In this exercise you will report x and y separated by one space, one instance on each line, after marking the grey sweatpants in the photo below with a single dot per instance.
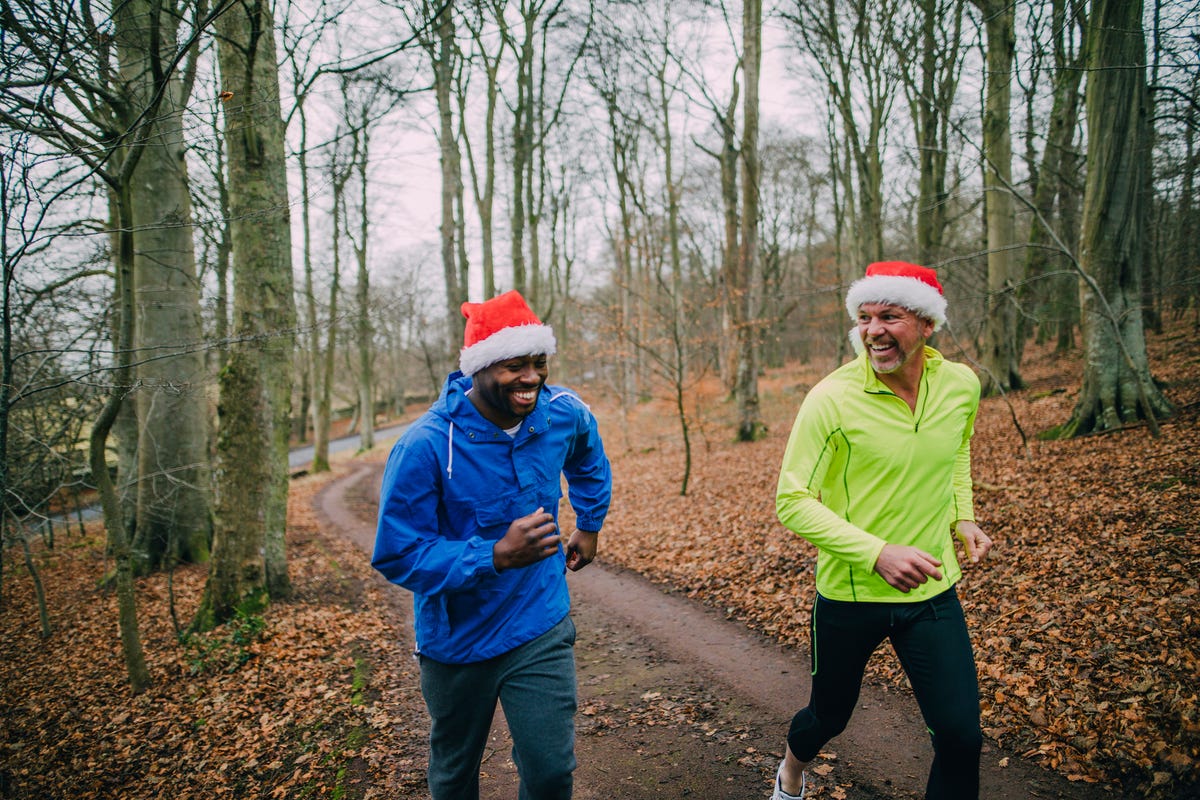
535 685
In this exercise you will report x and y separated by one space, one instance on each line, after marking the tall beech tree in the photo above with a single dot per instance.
1117 385
748 295
107 95
849 42
1050 296
172 520
932 28
249 565
1000 352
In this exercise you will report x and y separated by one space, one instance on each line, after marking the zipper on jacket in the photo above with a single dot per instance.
924 399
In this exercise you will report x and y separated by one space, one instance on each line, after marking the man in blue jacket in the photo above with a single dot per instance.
468 522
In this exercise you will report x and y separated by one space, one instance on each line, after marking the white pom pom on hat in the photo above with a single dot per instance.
500 328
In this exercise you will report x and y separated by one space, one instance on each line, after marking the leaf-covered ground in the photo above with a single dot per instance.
285 705
1084 619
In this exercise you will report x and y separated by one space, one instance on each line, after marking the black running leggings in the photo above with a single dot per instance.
930 637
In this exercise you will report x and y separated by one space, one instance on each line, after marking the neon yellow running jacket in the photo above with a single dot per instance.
862 470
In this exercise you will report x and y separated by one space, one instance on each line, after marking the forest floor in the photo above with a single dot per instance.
1084 621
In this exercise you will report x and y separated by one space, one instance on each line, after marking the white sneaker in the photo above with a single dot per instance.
780 794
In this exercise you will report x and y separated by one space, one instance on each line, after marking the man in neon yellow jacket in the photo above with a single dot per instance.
877 475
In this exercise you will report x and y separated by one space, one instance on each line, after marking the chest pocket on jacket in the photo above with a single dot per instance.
494 516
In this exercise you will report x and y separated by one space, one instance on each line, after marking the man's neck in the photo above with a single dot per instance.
906 381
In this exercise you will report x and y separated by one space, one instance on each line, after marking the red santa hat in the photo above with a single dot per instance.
899 283
500 328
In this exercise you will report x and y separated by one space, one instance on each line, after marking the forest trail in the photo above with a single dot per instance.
712 698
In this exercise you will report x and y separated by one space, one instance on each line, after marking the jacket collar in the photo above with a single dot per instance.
454 405
871 383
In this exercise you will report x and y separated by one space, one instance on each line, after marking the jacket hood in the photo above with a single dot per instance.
454 405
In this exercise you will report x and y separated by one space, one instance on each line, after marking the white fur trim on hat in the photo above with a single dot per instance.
514 341
911 293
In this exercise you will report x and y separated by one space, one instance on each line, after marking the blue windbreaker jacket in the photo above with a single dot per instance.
453 484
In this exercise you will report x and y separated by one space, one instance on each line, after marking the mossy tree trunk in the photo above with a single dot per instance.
249 561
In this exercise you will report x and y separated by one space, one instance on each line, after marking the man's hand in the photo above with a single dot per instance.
975 541
905 567
528 540
581 549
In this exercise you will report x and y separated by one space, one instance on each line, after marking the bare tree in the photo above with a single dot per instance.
605 71
482 18
656 54
1000 352
745 392
364 107
109 94
851 55
299 34
50 330
249 564
173 498
444 55
934 30
1117 385
1050 297
323 359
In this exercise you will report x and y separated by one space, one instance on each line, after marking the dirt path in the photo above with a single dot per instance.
675 701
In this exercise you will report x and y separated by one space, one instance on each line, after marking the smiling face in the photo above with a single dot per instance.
893 336
507 391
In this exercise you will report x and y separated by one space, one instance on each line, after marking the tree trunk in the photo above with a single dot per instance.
312 337
172 489
6 369
249 557
1189 251
1000 354
750 426
1152 317
522 149
731 318
363 328
123 431
443 55
323 361
110 502
1070 198
1050 295
237 577
931 109
1117 386
485 195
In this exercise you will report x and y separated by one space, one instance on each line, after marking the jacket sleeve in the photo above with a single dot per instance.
589 476
811 450
411 548
964 497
